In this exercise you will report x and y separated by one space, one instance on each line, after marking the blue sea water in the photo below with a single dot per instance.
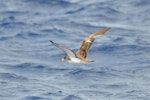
30 67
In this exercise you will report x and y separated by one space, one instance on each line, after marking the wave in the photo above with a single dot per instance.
34 98
46 2
12 77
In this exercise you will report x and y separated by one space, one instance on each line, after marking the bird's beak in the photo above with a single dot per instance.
62 59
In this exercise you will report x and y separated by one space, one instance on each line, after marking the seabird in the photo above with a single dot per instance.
81 55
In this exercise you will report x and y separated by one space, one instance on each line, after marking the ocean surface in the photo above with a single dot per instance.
31 67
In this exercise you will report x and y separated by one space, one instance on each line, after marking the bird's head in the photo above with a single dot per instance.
65 58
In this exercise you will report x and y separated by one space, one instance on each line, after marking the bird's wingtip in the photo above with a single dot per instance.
51 41
108 27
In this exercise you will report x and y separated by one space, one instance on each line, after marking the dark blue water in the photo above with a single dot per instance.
30 67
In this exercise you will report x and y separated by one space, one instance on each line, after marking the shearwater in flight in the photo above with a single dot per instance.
81 55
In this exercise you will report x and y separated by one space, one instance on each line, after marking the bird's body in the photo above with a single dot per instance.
81 55
75 60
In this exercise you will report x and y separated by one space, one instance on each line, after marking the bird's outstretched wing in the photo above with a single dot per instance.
69 52
87 42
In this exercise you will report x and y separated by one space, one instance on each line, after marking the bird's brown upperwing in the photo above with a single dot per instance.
87 42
